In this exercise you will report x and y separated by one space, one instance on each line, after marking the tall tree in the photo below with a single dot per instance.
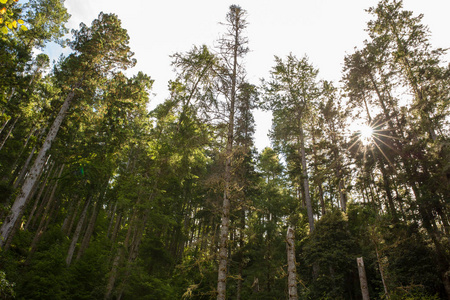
232 47
289 94
99 50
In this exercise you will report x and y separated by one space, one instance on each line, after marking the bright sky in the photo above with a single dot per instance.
325 30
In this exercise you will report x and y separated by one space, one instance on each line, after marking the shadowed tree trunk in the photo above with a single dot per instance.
292 273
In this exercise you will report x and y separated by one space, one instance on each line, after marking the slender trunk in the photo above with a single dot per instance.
45 199
4 125
24 169
36 202
16 225
44 219
19 204
116 227
363 278
317 179
111 222
12 175
113 274
134 250
380 266
120 252
70 213
89 231
76 235
5 138
292 273
342 196
224 230
307 195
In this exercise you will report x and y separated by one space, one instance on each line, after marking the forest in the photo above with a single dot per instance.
103 198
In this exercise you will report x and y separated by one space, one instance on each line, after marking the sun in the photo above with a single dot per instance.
366 133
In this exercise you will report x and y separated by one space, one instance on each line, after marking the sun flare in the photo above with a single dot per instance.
366 133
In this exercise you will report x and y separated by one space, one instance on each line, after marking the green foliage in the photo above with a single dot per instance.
6 287
330 256
47 275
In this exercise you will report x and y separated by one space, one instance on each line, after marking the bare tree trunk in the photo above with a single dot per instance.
24 169
3 141
111 222
308 201
45 215
36 202
363 278
89 231
113 274
76 235
224 230
12 175
4 125
117 259
116 227
342 197
45 199
70 212
134 250
73 218
292 274
36 169
380 266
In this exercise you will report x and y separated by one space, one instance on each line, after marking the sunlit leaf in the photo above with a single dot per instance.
14 24
3 1
3 10
20 21
23 27
1 20
4 30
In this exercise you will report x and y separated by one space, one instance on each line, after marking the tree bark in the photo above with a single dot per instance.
308 201
45 215
89 231
380 266
19 203
292 274
3 141
363 278
36 202
224 230
76 235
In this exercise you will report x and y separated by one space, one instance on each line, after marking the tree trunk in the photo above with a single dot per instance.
4 124
115 266
363 278
292 274
89 231
76 235
24 169
224 230
36 202
309 209
36 169
3 141
111 222
44 222
113 274
380 266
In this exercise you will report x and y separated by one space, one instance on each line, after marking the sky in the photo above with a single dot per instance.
324 30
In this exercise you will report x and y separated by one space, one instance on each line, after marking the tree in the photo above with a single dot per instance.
99 50
289 94
232 48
